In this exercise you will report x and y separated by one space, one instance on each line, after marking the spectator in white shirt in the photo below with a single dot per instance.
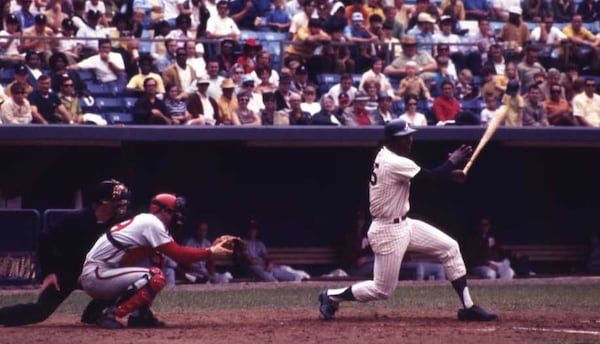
222 26
108 66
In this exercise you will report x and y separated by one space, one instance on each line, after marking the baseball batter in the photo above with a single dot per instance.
392 233
114 268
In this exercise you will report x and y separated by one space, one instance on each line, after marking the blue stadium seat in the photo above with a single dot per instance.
118 118
325 81
86 75
128 103
356 79
398 107
19 229
145 46
7 76
98 90
53 217
109 104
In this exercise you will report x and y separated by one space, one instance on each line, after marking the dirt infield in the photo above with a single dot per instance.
355 324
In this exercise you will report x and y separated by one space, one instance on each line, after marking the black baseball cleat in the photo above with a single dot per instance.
475 313
145 319
109 320
327 307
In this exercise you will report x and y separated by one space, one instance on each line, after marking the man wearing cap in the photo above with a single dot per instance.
61 253
41 46
180 74
425 62
283 92
21 75
300 79
337 19
357 31
90 33
202 106
423 32
392 232
10 46
501 8
227 102
136 83
515 31
357 114
255 102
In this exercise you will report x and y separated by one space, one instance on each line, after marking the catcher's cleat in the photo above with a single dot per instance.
109 320
327 307
145 319
475 313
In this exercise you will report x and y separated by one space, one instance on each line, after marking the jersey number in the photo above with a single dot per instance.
122 225
374 175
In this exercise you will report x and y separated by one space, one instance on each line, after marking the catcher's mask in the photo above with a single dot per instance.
114 193
172 204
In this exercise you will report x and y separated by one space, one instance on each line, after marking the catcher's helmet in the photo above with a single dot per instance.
170 203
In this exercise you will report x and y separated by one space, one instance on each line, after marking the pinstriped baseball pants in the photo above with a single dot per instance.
391 240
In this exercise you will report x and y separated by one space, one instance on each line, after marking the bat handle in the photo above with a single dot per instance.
467 167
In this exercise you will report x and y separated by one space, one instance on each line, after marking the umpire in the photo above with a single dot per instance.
62 252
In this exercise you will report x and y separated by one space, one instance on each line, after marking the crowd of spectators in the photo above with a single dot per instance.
388 55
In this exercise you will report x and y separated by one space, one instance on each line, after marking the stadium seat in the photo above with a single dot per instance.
398 107
128 103
86 75
7 76
118 118
145 46
105 105
98 90
19 229
52 217
356 79
325 81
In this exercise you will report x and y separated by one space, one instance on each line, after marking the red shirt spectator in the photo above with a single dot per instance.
446 107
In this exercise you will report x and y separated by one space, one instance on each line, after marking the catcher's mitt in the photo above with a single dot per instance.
230 242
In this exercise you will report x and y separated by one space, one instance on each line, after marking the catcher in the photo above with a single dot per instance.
116 266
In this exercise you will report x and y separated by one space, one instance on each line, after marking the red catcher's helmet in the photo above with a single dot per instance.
162 201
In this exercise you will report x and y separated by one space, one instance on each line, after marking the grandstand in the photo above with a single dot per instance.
114 101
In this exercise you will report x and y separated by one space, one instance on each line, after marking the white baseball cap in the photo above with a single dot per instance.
357 16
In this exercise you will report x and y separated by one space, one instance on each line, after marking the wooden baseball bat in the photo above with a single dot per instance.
487 135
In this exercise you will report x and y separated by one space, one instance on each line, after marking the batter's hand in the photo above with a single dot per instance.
458 176
461 154
51 279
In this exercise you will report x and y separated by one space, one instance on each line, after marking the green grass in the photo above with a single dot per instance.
509 297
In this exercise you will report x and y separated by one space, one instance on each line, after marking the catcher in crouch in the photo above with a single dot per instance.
116 266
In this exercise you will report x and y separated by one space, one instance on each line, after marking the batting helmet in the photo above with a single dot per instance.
397 127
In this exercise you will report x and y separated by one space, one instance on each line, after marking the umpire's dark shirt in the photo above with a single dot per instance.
63 248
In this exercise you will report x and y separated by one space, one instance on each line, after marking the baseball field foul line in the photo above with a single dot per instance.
541 329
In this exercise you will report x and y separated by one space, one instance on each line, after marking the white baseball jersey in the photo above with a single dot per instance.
391 234
103 276
390 185
144 230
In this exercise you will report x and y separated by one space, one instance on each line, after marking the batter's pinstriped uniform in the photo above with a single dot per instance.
391 233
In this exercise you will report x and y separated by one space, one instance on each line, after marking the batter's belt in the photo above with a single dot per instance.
392 220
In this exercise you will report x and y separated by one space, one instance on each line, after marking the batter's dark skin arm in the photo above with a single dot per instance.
448 170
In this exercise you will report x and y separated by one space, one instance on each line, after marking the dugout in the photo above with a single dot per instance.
540 185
